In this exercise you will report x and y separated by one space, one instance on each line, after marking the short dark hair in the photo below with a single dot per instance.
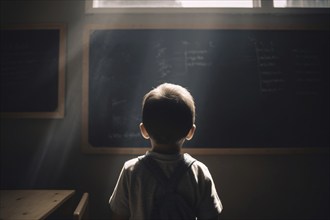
168 113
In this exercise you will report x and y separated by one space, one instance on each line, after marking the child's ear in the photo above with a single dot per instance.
191 133
144 132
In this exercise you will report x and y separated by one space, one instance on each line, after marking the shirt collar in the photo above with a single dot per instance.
167 157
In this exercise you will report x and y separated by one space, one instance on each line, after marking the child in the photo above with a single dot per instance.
168 116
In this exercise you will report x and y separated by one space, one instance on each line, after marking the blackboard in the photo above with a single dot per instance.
252 88
32 71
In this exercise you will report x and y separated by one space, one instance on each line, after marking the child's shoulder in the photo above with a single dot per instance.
198 167
198 163
130 164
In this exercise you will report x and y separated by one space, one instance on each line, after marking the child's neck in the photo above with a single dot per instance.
166 148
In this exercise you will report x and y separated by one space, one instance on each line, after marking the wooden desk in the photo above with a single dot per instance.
31 204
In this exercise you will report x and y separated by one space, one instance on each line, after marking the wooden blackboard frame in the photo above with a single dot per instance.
60 110
88 148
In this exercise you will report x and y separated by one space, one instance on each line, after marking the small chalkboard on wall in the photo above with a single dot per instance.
32 71
256 89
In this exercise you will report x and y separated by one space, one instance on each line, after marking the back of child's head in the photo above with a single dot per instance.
168 113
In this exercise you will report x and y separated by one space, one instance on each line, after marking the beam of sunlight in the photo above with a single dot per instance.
59 140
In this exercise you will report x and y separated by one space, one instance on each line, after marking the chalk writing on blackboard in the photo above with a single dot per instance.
165 66
270 73
197 58
252 87
196 55
178 60
308 75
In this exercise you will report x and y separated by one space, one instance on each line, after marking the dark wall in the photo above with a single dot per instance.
45 153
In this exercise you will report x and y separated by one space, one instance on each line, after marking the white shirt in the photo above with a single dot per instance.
133 196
